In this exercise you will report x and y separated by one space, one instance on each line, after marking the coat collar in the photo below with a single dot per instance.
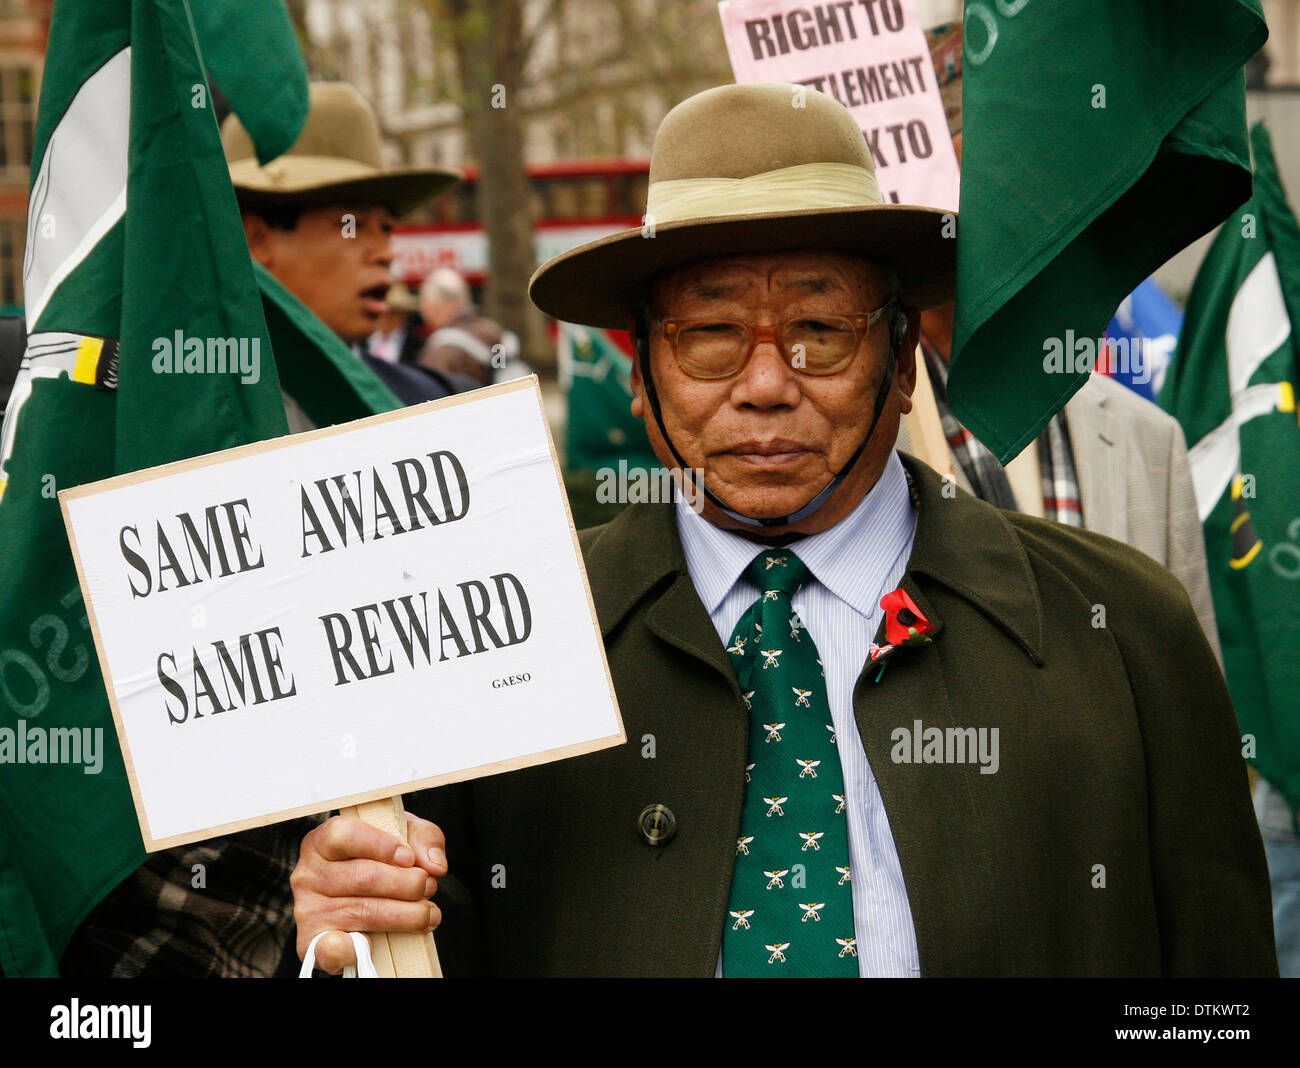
961 542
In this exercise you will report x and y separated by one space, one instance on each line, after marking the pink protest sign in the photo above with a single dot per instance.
871 56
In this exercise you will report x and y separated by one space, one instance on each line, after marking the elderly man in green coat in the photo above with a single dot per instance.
877 726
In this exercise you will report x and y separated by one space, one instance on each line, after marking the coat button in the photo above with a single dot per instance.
657 824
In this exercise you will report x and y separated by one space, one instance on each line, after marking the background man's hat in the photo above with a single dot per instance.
337 157
401 299
740 169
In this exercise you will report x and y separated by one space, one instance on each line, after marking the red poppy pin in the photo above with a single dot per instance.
905 624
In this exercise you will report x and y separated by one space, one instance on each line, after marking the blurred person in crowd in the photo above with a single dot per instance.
461 340
397 337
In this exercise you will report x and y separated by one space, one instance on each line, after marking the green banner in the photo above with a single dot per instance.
148 344
1099 139
1232 386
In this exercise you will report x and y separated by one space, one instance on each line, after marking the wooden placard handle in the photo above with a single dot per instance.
398 955
924 425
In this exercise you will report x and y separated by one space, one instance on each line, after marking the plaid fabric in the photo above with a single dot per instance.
1061 500
157 923
981 467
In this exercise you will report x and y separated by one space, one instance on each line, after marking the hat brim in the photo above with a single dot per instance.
399 298
602 282
400 190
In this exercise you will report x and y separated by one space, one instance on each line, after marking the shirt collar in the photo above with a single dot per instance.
852 558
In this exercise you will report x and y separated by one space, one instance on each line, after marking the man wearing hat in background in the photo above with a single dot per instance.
320 217
875 729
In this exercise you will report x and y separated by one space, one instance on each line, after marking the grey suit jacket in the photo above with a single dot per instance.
1122 440
1135 484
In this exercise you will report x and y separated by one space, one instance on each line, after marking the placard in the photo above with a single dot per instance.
871 56
342 615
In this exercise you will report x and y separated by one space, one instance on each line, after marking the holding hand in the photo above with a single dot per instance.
351 876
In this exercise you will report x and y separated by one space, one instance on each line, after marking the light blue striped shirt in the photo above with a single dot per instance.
853 564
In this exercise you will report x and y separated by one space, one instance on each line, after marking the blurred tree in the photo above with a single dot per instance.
488 39
602 73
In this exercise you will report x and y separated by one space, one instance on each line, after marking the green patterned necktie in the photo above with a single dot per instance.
791 905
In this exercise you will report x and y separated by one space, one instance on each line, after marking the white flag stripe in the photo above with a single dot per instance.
81 185
1257 323
1217 456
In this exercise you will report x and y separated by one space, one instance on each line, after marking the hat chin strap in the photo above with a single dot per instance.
763 522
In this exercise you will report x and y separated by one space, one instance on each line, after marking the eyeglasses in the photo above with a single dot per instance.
811 344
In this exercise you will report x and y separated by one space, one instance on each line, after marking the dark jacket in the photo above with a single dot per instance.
414 384
1116 838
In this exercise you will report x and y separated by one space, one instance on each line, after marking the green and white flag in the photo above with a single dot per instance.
1232 386
148 344
1100 137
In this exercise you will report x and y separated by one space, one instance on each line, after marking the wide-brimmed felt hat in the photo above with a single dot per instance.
338 157
743 168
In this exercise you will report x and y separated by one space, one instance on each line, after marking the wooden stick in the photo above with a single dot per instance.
923 424
398 955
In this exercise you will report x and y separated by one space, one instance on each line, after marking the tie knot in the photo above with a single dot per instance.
778 569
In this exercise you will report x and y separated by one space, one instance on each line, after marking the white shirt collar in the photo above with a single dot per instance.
851 559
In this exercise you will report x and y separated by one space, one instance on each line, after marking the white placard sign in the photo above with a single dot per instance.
871 56
342 615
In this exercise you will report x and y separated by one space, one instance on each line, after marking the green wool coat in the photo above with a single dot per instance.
1116 837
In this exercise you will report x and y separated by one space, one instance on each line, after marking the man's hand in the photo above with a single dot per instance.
354 877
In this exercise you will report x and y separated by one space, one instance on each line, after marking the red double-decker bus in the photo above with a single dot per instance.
572 201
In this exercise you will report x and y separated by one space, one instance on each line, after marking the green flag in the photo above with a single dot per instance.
601 429
238 38
1099 139
148 344
608 459
1231 385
